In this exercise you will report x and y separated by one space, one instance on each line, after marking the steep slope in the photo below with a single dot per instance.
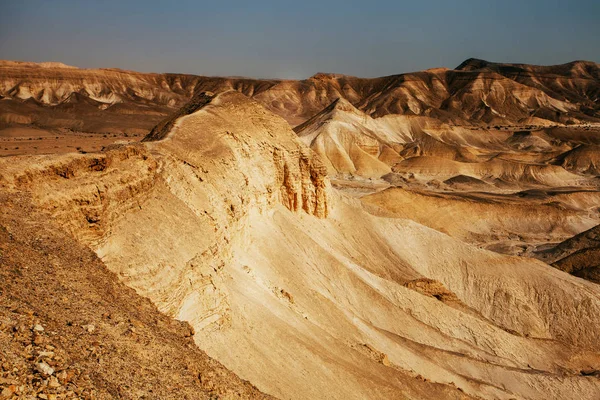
579 255
575 82
70 329
226 220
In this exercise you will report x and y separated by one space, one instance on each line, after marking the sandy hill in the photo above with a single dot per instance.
225 219
349 141
353 143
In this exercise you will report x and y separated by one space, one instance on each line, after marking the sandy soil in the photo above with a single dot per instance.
18 140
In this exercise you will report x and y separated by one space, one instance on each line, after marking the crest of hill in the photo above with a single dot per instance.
47 64
347 139
333 111
329 75
579 68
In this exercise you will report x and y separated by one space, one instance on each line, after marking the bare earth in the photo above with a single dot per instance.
426 235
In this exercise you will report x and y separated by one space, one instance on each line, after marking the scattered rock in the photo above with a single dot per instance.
53 382
286 295
46 354
386 361
8 391
44 368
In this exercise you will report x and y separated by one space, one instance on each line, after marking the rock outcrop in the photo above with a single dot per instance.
213 162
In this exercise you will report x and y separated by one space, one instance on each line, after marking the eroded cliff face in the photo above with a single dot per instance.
303 181
86 193
55 84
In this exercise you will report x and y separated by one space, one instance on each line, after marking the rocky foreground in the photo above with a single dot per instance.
69 328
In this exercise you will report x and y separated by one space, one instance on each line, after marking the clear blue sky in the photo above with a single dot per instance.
295 39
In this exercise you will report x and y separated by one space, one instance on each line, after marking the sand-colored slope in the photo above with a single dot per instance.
229 222
349 141
498 222
367 302
507 171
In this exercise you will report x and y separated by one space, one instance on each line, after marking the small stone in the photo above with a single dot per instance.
190 331
53 383
46 354
65 377
45 368
90 328
7 392
62 376
386 361
38 328
39 340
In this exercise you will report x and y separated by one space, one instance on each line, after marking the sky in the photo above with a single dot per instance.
296 39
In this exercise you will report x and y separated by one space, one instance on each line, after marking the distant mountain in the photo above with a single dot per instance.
476 92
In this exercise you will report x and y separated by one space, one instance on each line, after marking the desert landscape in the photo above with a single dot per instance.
429 235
